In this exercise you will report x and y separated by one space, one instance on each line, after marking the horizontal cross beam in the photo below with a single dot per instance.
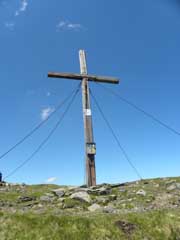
81 76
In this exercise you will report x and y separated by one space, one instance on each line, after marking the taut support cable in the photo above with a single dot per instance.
115 137
29 134
47 138
149 115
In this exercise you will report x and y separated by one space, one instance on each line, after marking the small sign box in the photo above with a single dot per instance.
91 148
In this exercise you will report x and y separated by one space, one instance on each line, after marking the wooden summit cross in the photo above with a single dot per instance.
90 146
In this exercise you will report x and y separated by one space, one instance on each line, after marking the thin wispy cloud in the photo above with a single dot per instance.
45 112
22 8
51 180
66 25
9 25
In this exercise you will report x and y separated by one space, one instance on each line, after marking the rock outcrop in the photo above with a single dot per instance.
139 196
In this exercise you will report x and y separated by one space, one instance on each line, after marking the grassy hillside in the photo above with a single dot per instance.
143 210
152 225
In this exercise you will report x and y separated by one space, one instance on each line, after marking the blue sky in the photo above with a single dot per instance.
136 41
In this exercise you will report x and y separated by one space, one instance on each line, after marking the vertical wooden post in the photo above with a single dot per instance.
87 115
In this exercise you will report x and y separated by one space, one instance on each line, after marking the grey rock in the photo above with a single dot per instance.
72 188
80 189
46 198
59 192
61 200
102 200
26 199
105 190
40 205
81 196
141 192
110 209
99 186
3 190
178 185
173 186
50 195
94 207
170 182
122 190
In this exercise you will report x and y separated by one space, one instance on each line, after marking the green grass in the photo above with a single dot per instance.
39 190
155 225
72 203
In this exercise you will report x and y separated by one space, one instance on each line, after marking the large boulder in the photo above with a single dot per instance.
173 186
81 196
59 192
